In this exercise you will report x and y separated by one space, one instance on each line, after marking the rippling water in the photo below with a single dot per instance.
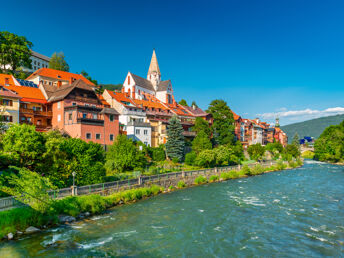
290 213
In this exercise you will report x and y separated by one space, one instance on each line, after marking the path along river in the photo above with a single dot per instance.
289 213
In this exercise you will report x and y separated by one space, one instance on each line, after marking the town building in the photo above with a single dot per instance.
38 61
79 112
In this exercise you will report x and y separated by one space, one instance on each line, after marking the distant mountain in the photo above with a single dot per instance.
312 127
112 86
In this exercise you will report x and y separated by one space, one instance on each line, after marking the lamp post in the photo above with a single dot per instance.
73 189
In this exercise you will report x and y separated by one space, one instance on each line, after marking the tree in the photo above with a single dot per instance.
206 158
85 74
296 140
256 151
291 150
158 154
14 51
201 142
175 142
25 145
223 122
183 102
190 158
275 149
201 125
194 104
58 62
124 155
30 188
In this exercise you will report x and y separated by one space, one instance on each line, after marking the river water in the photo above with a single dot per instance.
289 213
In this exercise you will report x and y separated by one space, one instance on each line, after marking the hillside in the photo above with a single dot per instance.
312 127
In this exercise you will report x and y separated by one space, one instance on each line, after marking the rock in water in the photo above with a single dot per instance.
30 230
66 219
9 236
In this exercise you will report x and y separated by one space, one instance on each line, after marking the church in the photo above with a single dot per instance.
140 88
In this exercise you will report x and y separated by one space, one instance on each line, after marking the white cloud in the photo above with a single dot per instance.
305 113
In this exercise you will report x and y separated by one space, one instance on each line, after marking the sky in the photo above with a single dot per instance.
265 58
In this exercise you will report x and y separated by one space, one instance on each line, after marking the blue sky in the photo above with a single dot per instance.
263 57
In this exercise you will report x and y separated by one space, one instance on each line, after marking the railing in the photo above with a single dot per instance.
90 121
35 112
110 187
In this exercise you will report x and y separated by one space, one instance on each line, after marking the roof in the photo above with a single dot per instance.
64 90
154 66
110 111
7 93
34 53
236 117
102 100
150 104
163 85
178 109
11 80
56 74
121 98
29 94
142 82
196 111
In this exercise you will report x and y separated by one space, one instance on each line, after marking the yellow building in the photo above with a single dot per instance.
9 106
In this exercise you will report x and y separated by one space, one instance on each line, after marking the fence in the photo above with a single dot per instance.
111 187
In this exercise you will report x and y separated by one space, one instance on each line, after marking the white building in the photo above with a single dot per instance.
132 117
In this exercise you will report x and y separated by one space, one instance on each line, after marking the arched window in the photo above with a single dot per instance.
128 79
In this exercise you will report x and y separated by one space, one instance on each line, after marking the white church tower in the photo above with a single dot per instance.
154 75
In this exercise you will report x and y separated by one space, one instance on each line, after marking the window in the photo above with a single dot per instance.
59 105
145 132
70 116
137 131
84 115
7 102
87 105
111 118
88 136
6 118
98 136
111 137
128 79
58 118
74 104
7 82
95 116
23 118
28 119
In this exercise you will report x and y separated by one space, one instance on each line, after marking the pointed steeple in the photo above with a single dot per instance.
154 66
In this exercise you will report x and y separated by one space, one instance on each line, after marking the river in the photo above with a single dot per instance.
289 213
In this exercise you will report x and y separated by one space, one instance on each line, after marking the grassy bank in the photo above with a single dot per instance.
21 218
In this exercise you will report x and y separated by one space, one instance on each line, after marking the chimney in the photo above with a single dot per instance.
59 84
194 107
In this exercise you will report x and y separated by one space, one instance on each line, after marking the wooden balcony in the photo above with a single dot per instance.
35 112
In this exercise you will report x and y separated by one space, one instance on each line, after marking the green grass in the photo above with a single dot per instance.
181 184
200 180
308 154
213 178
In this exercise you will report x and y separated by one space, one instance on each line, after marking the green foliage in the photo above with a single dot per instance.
275 149
181 184
330 145
312 127
296 140
223 122
280 165
190 158
175 142
200 180
292 150
308 154
85 74
292 164
256 151
194 104
213 178
158 154
155 189
14 51
206 158
112 87
183 102
246 170
202 125
30 188
256 170
124 155
58 62
201 142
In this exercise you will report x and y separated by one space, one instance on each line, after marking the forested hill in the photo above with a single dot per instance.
312 127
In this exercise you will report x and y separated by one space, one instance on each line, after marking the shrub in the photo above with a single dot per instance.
292 164
213 178
246 170
171 187
200 180
155 189
233 174
190 158
299 162
225 176
158 154
280 165
181 184
206 159
308 154
257 170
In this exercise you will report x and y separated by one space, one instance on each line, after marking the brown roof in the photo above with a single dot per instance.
195 111
7 93
64 90
142 82
163 85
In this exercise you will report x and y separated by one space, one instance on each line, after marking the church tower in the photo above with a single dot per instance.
154 75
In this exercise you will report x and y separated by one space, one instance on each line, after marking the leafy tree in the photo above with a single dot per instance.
85 74
201 142
14 51
206 158
112 87
158 154
58 62
190 158
223 122
30 188
330 145
124 155
24 145
296 140
292 150
256 151
175 142
275 149
201 125
194 104
183 102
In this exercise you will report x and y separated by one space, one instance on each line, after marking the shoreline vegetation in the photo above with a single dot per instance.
26 220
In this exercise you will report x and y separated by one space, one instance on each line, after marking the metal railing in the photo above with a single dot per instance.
115 186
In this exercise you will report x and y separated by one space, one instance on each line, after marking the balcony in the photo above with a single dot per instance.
138 124
90 121
35 112
86 100
83 108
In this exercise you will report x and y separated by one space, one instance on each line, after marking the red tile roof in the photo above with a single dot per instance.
29 94
11 80
236 117
56 74
121 98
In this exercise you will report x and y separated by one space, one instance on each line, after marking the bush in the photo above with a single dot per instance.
158 154
155 189
181 184
190 158
200 180
280 165
257 170
308 154
292 164
206 159
246 170
213 178
233 174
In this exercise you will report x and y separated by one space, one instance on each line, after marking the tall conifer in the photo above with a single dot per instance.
175 142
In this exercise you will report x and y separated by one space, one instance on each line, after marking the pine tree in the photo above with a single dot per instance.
175 142
296 140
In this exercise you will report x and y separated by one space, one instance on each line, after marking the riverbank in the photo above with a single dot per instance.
16 222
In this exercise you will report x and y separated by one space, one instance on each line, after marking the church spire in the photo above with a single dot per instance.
154 67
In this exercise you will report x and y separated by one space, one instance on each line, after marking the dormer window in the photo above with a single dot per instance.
7 82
